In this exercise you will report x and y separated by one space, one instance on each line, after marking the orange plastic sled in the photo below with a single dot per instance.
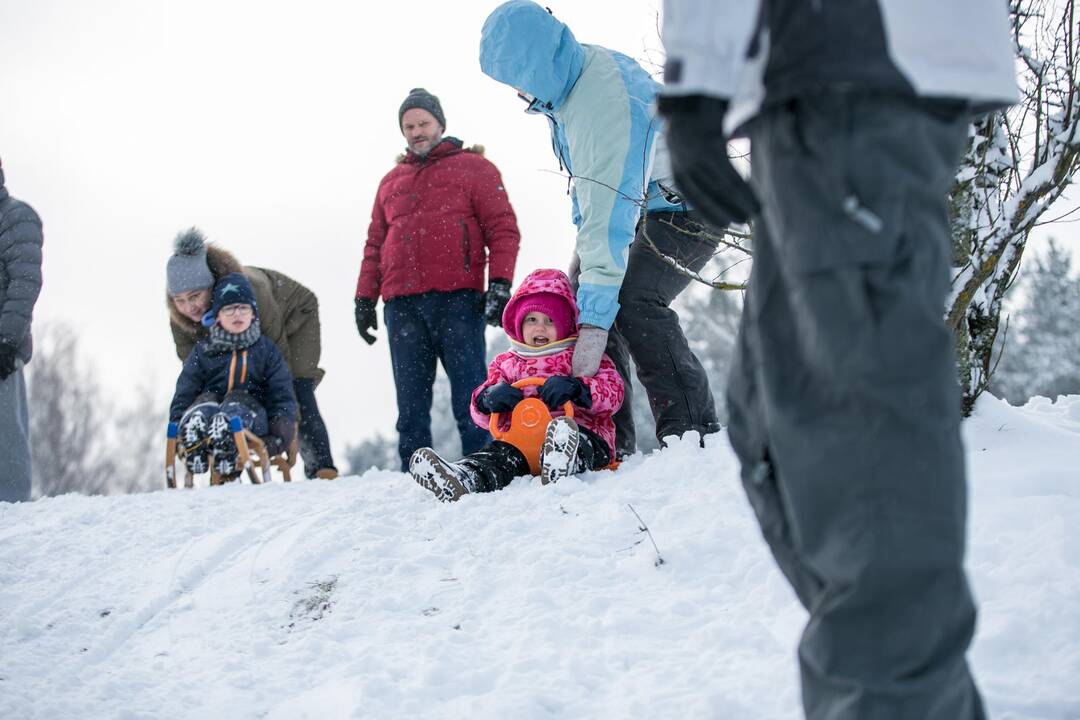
528 423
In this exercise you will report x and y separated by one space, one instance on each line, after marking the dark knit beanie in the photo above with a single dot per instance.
231 289
421 98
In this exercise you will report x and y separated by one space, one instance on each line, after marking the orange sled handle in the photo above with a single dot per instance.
528 423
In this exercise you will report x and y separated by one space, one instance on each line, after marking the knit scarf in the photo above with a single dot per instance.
553 348
222 342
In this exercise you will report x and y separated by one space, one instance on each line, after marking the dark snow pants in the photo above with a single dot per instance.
436 326
499 463
14 438
844 402
314 440
648 330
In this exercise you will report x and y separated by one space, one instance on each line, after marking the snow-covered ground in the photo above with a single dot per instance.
364 598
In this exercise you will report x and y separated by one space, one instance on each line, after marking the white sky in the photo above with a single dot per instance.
269 126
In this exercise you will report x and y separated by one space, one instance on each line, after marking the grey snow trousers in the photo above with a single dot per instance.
14 438
648 330
844 403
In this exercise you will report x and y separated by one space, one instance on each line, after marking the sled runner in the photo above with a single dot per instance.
251 450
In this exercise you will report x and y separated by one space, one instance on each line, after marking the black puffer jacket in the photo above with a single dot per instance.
20 270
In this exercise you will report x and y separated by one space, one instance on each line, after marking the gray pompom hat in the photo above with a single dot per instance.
421 98
187 269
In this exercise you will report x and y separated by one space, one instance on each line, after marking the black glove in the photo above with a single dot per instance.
366 319
495 299
282 430
8 355
704 175
557 390
500 397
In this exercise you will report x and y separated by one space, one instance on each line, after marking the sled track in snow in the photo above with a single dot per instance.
230 551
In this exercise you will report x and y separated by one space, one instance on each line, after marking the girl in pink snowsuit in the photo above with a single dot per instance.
541 322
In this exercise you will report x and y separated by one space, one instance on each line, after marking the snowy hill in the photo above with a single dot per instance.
364 598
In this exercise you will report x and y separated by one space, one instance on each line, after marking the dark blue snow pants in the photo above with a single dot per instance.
844 404
447 327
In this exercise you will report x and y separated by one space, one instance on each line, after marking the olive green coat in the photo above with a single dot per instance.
288 315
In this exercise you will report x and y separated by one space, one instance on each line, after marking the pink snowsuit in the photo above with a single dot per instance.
606 387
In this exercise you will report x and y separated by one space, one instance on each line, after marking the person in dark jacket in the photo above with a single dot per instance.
599 105
441 217
288 316
843 401
20 283
236 371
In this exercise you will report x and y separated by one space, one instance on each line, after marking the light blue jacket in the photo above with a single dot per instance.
604 130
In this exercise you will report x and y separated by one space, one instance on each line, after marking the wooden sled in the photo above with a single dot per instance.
252 453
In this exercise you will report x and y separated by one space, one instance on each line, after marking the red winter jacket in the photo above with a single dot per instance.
436 222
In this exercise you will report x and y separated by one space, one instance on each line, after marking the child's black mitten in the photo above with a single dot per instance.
500 397
557 390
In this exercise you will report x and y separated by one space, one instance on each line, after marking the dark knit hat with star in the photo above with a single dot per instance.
231 289
421 98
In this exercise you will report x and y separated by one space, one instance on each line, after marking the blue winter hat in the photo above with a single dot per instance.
231 289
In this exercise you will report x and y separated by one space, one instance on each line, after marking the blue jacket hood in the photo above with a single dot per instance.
522 45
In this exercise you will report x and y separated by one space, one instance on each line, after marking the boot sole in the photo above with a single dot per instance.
560 450
433 473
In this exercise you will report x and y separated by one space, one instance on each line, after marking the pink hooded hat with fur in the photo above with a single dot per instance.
549 291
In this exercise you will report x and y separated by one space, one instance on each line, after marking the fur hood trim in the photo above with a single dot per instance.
477 148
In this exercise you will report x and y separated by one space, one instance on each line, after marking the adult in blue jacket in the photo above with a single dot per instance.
843 402
599 105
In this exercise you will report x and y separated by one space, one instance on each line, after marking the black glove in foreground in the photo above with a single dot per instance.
703 172
8 353
366 319
495 299
558 390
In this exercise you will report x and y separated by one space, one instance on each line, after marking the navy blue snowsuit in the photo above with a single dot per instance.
258 370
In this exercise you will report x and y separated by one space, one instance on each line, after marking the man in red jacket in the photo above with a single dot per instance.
440 217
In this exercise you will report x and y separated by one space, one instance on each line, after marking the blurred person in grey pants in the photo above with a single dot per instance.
844 403
20 283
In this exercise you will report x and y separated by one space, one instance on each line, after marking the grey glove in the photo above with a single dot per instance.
591 342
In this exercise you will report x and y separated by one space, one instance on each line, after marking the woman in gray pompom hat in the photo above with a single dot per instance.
289 316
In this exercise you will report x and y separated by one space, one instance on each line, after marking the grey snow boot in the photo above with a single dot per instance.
558 458
448 481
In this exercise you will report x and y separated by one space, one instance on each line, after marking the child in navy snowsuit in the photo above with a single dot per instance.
233 372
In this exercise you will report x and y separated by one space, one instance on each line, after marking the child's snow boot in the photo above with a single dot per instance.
223 446
449 481
193 444
558 457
